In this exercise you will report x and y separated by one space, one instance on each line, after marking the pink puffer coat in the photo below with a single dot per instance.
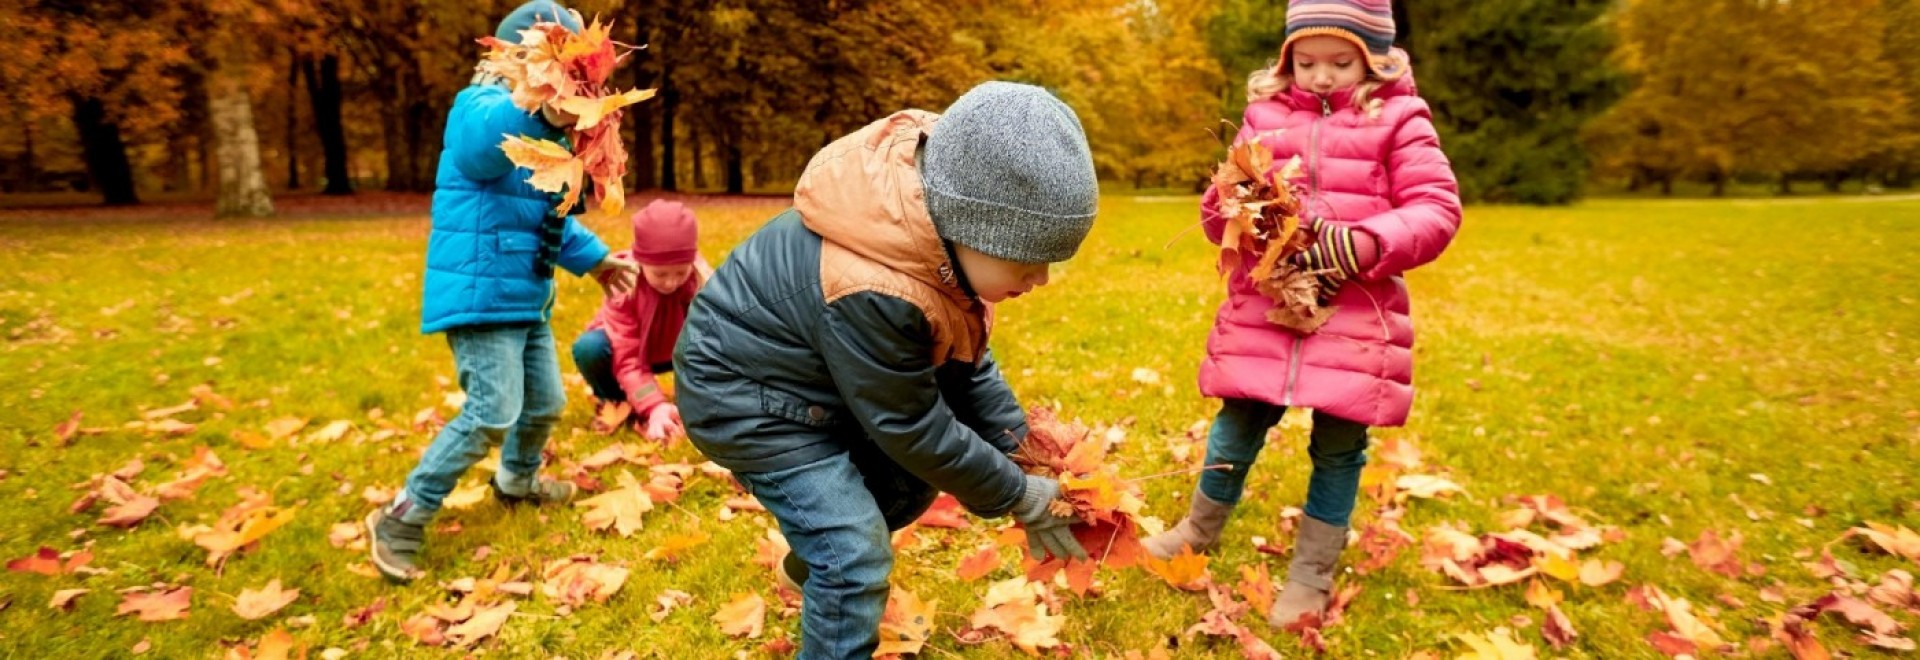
1384 175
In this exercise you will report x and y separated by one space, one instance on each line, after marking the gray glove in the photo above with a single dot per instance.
1047 534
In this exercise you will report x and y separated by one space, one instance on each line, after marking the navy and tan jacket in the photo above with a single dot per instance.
844 321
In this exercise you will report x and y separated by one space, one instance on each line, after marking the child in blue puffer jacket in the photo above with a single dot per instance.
489 286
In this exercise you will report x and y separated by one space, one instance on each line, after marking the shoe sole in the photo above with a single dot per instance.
392 573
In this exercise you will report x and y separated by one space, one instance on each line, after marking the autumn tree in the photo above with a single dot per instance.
113 69
1716 95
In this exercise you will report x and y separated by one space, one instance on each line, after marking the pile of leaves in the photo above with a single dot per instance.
1262 207
553 67
1091 490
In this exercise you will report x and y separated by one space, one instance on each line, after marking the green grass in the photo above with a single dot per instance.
1639 359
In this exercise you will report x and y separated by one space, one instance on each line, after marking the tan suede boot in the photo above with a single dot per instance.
1316 552
1200 530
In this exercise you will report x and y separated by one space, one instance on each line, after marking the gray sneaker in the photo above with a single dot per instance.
545 491
394 545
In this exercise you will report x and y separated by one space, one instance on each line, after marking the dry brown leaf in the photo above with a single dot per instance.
907 624
743 617
667 601
63 599
485 623
159 604
620 509
578 580
260 603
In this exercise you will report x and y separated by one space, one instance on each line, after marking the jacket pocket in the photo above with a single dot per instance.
789 407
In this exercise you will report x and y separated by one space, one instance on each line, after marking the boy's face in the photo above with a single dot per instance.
1324 64
995 279
666 279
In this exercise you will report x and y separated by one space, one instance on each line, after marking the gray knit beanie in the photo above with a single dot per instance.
1007 173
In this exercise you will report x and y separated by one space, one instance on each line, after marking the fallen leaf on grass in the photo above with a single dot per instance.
907 624
677 547
619 509
666 602
47 561
63 599
485 623
743 617
260 603
1496 644
578 580
979 564
157 604
1186 571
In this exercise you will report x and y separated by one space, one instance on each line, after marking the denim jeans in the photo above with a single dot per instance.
511 375
593 354
842 534
1338 448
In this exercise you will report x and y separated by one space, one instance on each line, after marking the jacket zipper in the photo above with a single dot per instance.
1313 164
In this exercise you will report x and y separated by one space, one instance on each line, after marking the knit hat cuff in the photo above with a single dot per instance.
1006 232
666 257
1386 66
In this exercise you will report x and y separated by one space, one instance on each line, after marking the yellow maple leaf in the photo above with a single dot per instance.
1497 644
619 509
592 109
259 603
743 617
907 624
675 548
554 168
232 535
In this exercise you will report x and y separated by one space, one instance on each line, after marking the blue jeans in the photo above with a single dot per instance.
1337 446
842 534
512 379
593 354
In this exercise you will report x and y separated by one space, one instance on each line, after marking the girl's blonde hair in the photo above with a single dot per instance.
1273 80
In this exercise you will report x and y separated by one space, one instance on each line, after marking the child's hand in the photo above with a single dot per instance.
616 274
1339 248
1047 533
663 422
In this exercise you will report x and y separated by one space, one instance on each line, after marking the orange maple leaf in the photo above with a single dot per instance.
1185 570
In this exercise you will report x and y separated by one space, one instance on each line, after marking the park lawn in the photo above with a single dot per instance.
1665 367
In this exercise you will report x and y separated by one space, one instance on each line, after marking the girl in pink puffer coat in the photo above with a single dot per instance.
1383 199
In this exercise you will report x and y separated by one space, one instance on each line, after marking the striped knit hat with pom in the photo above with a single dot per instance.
1366 23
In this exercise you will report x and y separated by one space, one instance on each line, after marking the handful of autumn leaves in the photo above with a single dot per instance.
1262 210
1090 490
553 67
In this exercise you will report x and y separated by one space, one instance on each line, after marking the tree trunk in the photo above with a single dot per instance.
393 130
1666 186
1786 185
669 99
419 159
104 151
293 120
323 88
699 155
641 158
736 168
1403 24
1835 180
1719 184
243 186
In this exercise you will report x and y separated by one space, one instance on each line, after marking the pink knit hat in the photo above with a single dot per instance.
665 234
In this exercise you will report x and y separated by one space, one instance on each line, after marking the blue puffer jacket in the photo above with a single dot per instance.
481 258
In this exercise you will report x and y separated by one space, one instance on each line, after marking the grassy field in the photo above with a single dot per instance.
1665 367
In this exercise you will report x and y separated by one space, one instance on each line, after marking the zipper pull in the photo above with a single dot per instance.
1326 108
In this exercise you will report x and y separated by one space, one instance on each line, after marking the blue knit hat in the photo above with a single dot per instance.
534 12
